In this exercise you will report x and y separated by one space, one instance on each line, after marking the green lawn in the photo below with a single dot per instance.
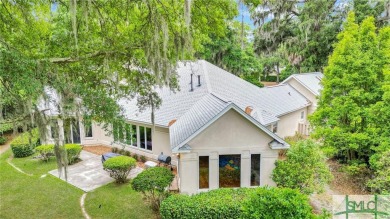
127 204
23 196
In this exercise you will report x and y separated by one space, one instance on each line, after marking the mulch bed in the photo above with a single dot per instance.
99 150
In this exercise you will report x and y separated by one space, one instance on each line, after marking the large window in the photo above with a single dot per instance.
229 170
255 169
128 134
131 135
88 128
203 172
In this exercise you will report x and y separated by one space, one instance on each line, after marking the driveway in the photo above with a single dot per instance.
88 174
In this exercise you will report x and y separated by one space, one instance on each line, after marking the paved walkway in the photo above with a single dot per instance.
88 174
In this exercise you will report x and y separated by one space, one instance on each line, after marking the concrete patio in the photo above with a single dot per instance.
88 174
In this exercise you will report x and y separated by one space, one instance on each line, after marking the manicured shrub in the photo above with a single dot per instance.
245 203
73 152
153 183
119 167
6 127
135 156
127 153
380 163
142 158
24 144
219 203
305 168
2 140
276 203
114 150
122 151
46 151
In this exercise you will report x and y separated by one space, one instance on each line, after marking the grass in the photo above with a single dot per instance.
117 201
23 196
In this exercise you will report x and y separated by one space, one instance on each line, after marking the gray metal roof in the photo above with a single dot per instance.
269 103
200 114
204 113
309 80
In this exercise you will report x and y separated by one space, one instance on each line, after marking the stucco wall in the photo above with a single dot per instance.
230 134
288 124
160 139
305 92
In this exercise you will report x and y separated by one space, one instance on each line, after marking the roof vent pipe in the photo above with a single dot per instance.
192 87
199 81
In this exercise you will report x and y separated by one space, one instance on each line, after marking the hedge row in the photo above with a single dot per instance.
239 203
72 151
22 146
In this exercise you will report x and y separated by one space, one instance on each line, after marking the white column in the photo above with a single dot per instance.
245 169
214 170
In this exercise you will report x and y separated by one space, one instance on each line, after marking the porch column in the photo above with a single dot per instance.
214 170
245 168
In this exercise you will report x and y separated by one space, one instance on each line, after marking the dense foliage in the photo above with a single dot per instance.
304 169
73 152
24 144
95 51
234 52
3 140
153 183
45 151
298 36
119 167
352 116
238 203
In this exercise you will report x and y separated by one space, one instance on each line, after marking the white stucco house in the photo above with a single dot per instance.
220 130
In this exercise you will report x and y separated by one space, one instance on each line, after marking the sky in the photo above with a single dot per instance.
243 10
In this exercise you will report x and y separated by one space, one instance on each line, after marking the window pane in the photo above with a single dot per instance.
115 131
255 169
203 172
149 139
121 133
229 171
88 128
142 136
128 134
134 135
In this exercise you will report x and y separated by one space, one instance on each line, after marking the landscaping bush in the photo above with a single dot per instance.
119 167
24 144
142 158
276 203
135 156
122 151
219 203
127 153
380 163
45 151
305 168
2 140
114 150
153 183
73 152
238 203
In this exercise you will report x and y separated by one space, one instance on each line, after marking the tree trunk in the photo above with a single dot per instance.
277 73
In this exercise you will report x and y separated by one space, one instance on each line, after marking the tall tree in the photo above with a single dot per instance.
350 88
234 52
94 52
297 33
